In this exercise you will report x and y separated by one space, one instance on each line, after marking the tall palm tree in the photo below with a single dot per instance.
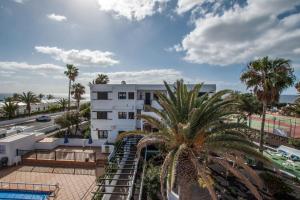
41 96
9 109
28 98
101 79
71 73
194 132
77 91
268 78
63 103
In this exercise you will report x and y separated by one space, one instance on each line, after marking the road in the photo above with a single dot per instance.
33 123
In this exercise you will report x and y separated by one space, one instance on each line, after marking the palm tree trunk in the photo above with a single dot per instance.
69 95
262 131
29 109
250 120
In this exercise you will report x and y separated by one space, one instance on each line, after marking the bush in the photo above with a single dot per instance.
152 182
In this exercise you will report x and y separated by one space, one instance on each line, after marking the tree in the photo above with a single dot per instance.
9 109
16 97
63 103
101 79
268 78
249 105
71 73
77 91
67 120
85 110
50 96
41 96
194 131
28 98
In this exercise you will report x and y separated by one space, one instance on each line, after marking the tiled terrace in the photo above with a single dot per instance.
71 186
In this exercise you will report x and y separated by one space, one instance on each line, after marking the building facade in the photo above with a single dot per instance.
114 107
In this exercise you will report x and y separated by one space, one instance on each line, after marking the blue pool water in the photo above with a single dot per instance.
22 195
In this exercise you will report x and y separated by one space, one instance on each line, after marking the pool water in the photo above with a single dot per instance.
23 195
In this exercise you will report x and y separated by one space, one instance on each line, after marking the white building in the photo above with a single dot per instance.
114 107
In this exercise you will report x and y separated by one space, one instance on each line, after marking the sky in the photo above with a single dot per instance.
142 41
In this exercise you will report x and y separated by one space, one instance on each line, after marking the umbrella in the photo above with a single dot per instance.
66 140
90 140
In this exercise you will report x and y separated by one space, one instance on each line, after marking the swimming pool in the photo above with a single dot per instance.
23 195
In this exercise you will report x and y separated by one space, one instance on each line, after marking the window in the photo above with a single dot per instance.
102 95
102 115
2 149
131 115
102 134
122 95
122 115
130 95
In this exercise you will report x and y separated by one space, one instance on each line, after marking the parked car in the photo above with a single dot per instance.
43 118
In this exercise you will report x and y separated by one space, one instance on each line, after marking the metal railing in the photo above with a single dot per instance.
116 164
57 155
53 189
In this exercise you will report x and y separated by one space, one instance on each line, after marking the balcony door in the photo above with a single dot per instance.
147 98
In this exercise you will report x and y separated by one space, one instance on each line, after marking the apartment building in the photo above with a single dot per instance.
114 107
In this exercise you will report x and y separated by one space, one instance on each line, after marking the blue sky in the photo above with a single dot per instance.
142 41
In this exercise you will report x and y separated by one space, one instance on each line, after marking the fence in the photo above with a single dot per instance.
57 155
31 187
280 125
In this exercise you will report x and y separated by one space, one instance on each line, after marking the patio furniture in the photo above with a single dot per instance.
3 162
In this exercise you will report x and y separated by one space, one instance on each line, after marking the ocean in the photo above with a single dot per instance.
283 98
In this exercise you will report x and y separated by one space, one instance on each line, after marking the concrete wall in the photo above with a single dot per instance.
25 143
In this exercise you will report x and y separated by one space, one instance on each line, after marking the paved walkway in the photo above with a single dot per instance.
72 187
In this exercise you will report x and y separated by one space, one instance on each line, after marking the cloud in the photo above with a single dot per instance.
132 9
186 5
12 67
146 76
56 17
83 57
242 33
6 73
19 1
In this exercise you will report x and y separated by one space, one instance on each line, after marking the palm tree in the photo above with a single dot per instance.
50 96
71 73
28 98
9 109
63 103
194 131
41 96
16 97
249 105
101 79
77 91
268 78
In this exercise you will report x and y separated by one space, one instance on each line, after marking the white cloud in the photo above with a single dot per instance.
6 73
132 9
186 5
243 33
83 57
56 17
19 1
146 76
11 67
